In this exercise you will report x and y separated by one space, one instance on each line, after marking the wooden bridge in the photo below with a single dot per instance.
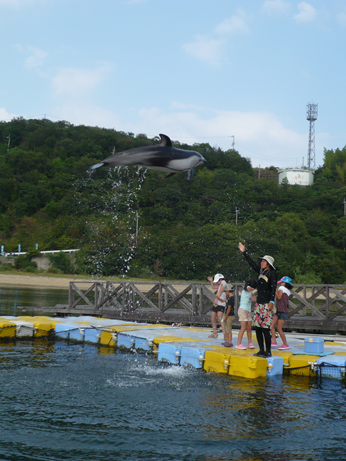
312 307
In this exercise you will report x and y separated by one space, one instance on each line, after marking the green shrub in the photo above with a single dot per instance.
23 262
6 267
61 261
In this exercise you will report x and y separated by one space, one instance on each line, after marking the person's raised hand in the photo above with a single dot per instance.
241 247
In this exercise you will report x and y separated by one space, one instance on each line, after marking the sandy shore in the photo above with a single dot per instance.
38 281
63 283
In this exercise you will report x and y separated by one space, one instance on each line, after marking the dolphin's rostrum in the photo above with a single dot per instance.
161 157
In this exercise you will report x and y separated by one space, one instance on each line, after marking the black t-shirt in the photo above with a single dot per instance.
230 302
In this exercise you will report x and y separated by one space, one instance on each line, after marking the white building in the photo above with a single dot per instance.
300 176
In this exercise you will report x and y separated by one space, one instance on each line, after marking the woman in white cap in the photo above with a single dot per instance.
218 283
266 288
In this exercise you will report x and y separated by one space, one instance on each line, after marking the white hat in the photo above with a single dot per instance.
270 260
217 277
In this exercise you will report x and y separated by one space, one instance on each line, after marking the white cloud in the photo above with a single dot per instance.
6 116
36 58
76 83
233 25
206 50
258 135
307 13
211 48
83 113
275 7
342 18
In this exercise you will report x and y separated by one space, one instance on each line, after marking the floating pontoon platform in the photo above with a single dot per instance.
188 346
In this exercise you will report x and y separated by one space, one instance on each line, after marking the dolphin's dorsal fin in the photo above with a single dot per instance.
165 140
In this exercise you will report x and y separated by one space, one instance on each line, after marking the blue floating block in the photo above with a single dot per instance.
333 366
314 345
275 365
78 334
192 356
70 331
169 352
92 335
127 341
62 330
144 344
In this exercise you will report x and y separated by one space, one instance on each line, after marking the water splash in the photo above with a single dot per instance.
109 208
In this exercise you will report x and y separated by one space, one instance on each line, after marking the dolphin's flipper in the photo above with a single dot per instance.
98 165
165 140
169 175
190 174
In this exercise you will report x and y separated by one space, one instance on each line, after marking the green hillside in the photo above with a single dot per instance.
186 229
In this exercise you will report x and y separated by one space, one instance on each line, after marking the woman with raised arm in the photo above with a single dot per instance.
266 287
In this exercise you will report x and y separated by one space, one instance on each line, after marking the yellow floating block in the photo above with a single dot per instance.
109 335
284 354
174 339
7 329
339 353
217 362
300 365
248 366
43 326
108 338
171 339
333 343
202 330
233 351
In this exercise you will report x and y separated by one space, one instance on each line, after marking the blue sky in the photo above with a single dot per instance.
197 70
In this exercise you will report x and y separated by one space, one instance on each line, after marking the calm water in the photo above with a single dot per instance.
73 402
11 297
78 402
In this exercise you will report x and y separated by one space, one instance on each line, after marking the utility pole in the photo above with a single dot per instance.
233 143
236 216
136 227
9 142
344 207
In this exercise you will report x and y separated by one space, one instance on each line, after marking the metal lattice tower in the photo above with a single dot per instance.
311 115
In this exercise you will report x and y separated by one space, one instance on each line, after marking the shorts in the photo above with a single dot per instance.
218 309
244 316
281 315
228 324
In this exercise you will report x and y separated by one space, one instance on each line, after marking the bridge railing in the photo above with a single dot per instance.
312 307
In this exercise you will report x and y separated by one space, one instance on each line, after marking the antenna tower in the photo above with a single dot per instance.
311 115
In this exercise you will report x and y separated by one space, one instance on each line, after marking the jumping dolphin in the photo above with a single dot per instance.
161 157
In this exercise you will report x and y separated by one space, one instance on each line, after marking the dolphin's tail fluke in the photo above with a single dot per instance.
98 165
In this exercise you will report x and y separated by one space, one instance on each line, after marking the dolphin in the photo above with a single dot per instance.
161 157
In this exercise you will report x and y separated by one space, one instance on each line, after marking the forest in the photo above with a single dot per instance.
134 222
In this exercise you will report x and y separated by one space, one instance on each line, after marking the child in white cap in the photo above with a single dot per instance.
281 314
218 283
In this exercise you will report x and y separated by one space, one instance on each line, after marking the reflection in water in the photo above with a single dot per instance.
11 297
